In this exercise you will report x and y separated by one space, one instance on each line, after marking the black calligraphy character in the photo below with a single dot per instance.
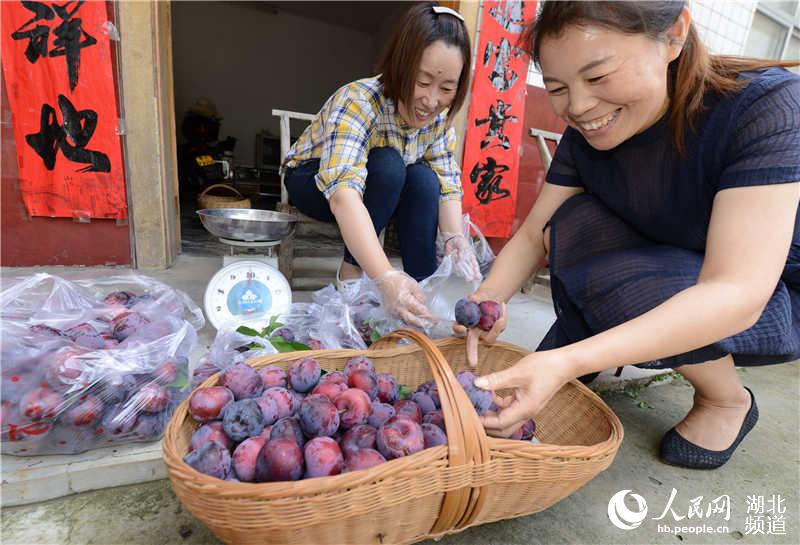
38 36
509 14
68 40
79 126
502 76
498 115
488 188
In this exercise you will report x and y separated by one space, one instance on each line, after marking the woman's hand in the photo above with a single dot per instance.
461 252
475 334
533 380
403 298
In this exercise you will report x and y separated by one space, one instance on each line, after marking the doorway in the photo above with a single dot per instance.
237 61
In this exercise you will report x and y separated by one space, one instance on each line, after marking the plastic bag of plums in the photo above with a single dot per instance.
276 424
90 363
229 348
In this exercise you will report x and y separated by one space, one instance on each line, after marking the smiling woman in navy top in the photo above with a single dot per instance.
669 218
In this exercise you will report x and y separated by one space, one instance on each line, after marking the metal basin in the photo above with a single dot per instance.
247 224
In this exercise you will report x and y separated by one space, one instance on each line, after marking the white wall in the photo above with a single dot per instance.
723 25
249 61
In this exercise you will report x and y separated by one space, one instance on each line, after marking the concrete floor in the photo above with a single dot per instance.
765 466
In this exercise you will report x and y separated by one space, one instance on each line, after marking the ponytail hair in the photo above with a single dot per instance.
690 77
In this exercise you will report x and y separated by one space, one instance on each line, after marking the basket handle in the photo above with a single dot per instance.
226 186
467 441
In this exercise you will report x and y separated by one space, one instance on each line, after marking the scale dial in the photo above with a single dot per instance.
246 293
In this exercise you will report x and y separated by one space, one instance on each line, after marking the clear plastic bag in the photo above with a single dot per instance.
335 319
483 253
229 348
442 290
90 363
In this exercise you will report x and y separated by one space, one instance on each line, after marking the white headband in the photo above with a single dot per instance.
441 9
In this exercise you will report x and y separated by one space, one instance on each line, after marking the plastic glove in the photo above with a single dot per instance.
463 255
403 298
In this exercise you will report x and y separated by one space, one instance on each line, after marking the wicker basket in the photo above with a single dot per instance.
204 200
473 480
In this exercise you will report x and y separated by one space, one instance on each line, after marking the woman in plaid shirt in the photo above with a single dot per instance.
383 146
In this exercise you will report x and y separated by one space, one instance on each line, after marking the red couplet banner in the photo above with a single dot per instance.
496 111
60 83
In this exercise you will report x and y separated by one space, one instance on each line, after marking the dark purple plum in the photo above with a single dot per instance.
151 398
363 459
269 409
364 380
409 409
387 388
149 426
242 419
399 437
45 331
284 399
166 372
280 460
357 438
288 428
381 412
323 457
284 333
120 298
431 389
125 324
354 407
466 379
467 312
272 376
337 377
329 389
41 402
242 380
482 400
116 421
358 362
245 458
87 336
424 401
85 412
212 459
304 374
525 431
212 431
490 313
318 416
207 403
435 417
115 389
433 435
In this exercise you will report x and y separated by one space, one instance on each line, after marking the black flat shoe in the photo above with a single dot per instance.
677 451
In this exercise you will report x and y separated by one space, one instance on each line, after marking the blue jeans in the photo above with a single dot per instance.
411 193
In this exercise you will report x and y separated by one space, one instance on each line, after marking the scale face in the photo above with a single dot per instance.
247 293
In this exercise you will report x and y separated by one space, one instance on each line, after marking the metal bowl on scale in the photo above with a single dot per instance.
247 224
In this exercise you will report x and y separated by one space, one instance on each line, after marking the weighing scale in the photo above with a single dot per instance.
248 289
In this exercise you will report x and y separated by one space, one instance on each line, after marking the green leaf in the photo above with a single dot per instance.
244 330
374 336
285 346
404 392
273 325
181 381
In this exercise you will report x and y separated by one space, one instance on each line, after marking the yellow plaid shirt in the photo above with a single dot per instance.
358 118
